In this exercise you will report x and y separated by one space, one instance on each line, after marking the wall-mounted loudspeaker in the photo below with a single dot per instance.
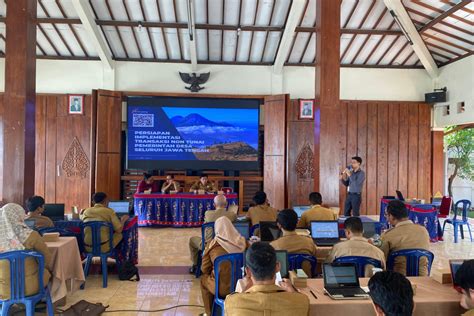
438 96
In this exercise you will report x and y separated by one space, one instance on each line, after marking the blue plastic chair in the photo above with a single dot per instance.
360 262
413 257
253 228
204 227
61 231
237 261
295 261
456 222
17 283
97 243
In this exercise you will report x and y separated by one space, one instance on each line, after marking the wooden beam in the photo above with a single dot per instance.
17 135
86 15
296 10
445 14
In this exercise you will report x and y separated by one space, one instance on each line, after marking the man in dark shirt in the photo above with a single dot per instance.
353 177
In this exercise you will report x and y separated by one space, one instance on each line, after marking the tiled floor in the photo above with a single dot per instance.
169 247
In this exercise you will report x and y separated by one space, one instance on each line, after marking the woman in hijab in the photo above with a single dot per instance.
227 240
15 235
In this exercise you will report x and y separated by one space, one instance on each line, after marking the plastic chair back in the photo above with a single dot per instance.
413 257
204 228
295 261
236 261
95 228
360 262
466 205
62 232
445 206
16 260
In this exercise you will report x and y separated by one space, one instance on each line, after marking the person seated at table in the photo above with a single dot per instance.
316 212
35 207
291 241
203 184
195 242
465 279
404 235
100 212
227 240
148 184
391 294
356 245
260 295
15 235
170 184
262 211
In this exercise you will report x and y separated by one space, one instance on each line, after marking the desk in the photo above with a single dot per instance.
432 298
67 273
175 210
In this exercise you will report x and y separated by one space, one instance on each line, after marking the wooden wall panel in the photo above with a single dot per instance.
40 155
1 148
342 159
108 174
412 152
370 166
382 151
51 164
403 148
424 151
437 165
362 146
393 137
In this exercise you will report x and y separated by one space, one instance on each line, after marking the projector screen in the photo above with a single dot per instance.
192 133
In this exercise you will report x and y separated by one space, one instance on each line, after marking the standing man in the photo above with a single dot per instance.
353 178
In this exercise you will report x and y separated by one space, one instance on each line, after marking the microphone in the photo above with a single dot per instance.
349 167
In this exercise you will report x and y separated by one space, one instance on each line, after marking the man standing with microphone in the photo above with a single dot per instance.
353 177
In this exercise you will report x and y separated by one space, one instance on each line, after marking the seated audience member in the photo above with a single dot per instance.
465 278
291 241
35 207
391 294
262 211
260 294
100 212
170 185
203 184
15 235
356 245
317 212
227 240
148 184
404 235
195 242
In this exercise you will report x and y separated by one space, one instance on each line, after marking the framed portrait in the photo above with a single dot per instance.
75 104
306 110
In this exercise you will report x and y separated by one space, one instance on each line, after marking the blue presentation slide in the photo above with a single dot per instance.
192 133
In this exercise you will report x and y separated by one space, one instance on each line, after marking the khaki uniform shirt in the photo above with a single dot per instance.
173 187
34 242
357 246
262 213
209 187
207 268
40 220
103 214
469 313
406 235
212 216
266 300
316 213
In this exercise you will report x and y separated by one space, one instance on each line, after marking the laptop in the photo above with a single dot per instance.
301 209
400 196
325 233
369 229
54 211
243 228
121 208
454 265
341 281
269 231
282 257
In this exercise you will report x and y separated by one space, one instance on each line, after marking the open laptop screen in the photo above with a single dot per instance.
54 211
454 265
282 257
369 229
324 229
269 231
301 209
120 207
243 228
340 275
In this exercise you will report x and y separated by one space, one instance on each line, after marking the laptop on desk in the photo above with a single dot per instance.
121 208
454 265
369 229
325 233
54 211
269 231
301 209
341 282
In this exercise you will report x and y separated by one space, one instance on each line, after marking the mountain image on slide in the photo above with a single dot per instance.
195 119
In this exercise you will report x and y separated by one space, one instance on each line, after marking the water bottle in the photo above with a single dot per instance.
376 240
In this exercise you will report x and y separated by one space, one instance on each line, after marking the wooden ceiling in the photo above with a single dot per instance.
250 31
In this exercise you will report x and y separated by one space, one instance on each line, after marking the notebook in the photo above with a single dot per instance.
325 233
341 281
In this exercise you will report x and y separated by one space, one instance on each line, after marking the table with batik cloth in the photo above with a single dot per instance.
175 210
422 214
129 245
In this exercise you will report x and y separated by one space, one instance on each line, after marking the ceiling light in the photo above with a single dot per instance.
395 17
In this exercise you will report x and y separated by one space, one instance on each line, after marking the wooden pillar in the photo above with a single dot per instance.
327 144
437 162
18 117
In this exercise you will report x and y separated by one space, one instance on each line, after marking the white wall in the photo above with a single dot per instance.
458 77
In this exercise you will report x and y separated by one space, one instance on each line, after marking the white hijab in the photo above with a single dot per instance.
13 230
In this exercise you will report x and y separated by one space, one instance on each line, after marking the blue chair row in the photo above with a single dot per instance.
16 260
459 222
360 263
